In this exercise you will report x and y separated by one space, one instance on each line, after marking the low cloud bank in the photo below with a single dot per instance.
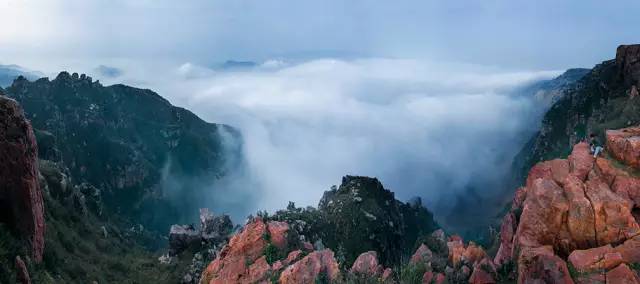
424 129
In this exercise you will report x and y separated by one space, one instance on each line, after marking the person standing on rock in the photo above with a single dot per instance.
596 149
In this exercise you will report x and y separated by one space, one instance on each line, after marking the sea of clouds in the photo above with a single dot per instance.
427 129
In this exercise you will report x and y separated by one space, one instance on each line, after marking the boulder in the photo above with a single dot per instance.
624 145
259 271
181 237
581 160
622 275
473 254
541 221
627 187
21 202
613 219
456 250
541 265
556 169
608 172
507 231
278 232
630 250
367 264
422 255
481 276
427 277
313 267
233 261
580 218
214 228
387 275
595 259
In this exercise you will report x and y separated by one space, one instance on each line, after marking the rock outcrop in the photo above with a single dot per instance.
21 203
602 99
585 217
213 230
318 266
361 215
628 63
245 258
624 145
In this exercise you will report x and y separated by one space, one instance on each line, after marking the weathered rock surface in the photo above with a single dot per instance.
483 273
213 230
422 255
624 145
367 264
541 265
21 204
628 63
557 170
588 218
310 268
622 275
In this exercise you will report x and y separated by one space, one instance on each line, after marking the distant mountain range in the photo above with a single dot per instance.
8 73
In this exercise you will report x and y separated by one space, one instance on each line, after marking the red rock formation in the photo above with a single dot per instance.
587 216
622 275
483 273
367 264
473 254
387 275
624 145
308 269
278 233
613 219
258 271
507 231
427 277
595 259
22 276
456 250
422 255
581 160
581 217
20 194
557 170
541 222
541 265
242 260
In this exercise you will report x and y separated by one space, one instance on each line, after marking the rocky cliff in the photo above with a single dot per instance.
21 205
132 144
576 219
605 98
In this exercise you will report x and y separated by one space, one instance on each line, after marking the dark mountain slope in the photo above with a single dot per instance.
130 143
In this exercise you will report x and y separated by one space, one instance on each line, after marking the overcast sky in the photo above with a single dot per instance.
545 34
